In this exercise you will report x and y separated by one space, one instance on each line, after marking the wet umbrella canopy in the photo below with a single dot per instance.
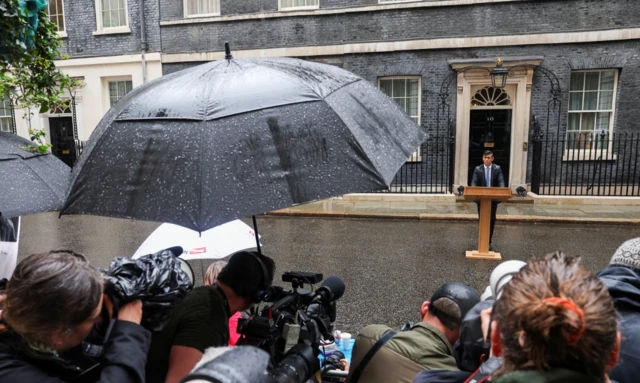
233 138
29 182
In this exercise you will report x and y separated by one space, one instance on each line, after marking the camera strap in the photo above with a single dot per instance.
370 354
483 374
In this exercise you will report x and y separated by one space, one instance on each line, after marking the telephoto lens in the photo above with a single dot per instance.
240 364
243 364
297 366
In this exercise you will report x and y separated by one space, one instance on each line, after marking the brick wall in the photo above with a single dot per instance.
81 23
561 59
392 25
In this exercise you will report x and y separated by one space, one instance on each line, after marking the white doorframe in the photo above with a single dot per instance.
519 88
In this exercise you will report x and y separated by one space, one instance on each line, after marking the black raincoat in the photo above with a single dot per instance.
624 286
123 361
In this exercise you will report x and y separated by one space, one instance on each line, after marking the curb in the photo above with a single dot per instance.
451 217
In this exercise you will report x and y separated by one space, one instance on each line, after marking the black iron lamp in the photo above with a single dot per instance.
499 75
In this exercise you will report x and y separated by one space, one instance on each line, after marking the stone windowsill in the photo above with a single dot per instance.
112 31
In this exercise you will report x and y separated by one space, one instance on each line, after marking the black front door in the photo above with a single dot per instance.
64 146
490 129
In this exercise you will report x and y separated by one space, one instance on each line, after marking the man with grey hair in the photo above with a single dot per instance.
622 278
382 355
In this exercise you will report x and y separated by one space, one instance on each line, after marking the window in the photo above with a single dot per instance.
591 105
55 10
489 96
117 89
406 92
112 14
199 8
6 121
299 4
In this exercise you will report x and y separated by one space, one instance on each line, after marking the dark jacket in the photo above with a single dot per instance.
123 361
497 178
624 286
471 347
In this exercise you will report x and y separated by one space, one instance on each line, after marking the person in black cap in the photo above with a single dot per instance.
201 321
381 355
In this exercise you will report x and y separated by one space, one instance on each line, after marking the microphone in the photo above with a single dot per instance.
331 290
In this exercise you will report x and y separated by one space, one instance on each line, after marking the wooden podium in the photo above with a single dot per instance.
485 195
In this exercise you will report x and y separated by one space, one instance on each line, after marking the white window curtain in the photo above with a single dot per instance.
202 7
117 89
114 13
406 92
591 108
284 4
6 122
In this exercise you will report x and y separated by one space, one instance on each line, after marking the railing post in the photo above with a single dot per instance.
14 128
537 156
452 155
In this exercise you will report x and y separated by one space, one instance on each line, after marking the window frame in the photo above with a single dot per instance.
592 153
106 98
61 33
9 116
101 29
416 156
303 8
188 16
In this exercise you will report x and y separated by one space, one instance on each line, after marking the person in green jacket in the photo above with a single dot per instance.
426 345
555 322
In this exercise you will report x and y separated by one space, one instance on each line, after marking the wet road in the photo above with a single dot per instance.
389 266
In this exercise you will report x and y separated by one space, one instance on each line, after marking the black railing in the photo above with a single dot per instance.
428 171
587 164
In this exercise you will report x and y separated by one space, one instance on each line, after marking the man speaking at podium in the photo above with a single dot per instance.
489 175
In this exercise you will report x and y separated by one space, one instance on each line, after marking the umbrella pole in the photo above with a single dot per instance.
255 230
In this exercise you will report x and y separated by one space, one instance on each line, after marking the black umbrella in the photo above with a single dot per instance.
29 182
233 138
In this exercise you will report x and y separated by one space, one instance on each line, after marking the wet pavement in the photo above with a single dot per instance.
389 266
516 210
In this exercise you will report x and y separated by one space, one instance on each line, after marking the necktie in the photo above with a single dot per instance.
487 177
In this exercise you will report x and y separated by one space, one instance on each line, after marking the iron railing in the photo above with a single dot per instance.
428 171
587 164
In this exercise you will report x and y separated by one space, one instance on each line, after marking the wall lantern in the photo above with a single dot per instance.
499 75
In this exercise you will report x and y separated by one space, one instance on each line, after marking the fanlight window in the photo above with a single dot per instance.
489 96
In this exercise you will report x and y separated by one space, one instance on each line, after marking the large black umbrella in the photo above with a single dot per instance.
29 182
233 138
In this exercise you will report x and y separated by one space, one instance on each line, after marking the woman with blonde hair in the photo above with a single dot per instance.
210 278
555 322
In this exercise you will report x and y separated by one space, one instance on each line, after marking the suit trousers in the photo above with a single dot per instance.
494 209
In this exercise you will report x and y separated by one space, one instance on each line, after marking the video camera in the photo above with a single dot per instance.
296 317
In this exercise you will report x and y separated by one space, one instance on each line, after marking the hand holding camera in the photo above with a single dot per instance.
129 312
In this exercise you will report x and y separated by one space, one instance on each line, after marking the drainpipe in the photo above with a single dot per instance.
143 42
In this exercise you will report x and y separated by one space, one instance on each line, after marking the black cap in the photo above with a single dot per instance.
464 296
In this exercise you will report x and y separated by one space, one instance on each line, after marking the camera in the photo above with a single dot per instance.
242 364
291 328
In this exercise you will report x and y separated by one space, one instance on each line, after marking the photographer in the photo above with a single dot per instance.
382 355
52 303
201 321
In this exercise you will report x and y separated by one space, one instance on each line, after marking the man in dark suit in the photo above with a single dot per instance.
490 175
